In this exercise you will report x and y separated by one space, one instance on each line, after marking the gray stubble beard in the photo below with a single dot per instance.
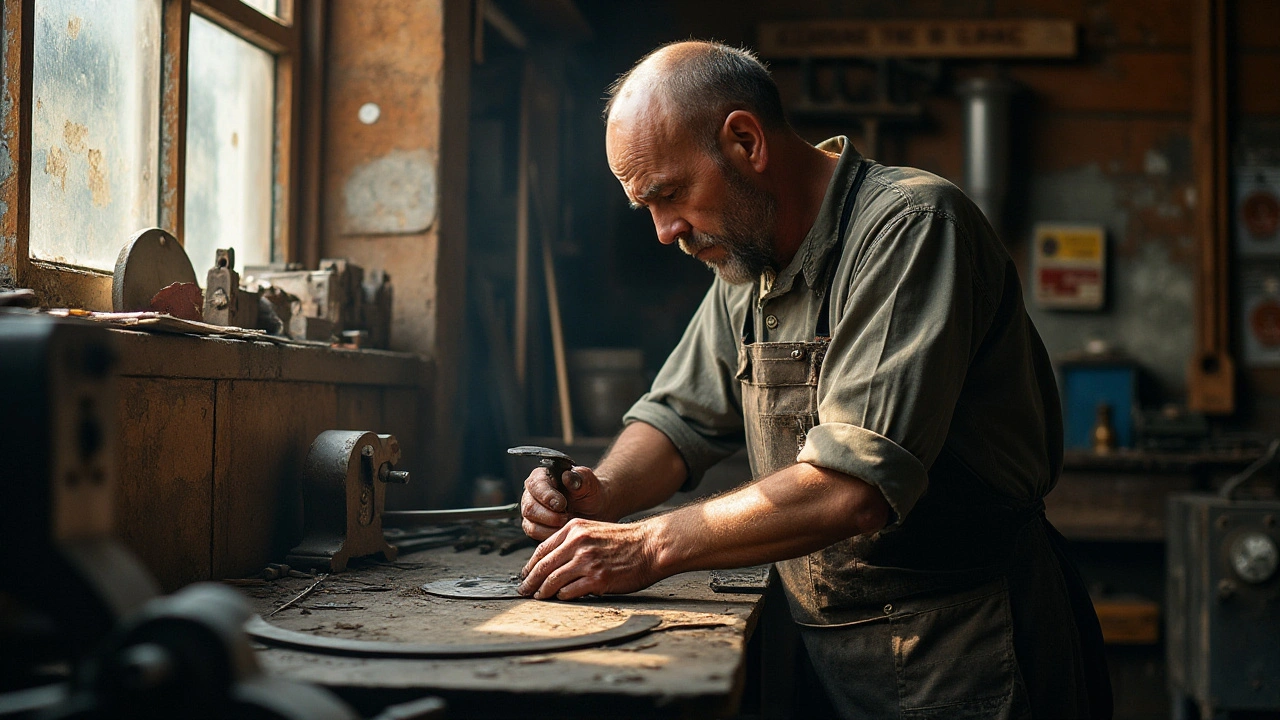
748 220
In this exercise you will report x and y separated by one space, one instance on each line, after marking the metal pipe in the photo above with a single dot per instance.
986 144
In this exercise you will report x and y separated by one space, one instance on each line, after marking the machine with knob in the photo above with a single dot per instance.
1223 597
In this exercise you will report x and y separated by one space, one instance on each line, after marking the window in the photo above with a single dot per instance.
94 128
229 146
177 113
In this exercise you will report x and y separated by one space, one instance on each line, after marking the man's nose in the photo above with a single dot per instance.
670 227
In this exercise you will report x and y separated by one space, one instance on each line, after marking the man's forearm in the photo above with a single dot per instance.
796 511
642 469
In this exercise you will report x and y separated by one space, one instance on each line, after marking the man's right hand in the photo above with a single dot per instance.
547 505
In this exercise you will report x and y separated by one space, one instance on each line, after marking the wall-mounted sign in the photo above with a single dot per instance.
920 38
1260 313
1257 208
1069 266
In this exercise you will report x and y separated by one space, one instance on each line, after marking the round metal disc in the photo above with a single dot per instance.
151 260
492 587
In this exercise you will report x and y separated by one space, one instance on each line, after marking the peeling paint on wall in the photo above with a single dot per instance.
393 194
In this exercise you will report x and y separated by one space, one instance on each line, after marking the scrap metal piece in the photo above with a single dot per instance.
151 260
181 300
487 587
344 480
748 581
268 634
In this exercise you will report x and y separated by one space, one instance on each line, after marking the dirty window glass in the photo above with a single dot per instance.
230 138
95 127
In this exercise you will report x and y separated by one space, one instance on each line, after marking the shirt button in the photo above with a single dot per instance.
797 354
771 321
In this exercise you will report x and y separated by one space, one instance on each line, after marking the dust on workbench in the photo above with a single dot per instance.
384 601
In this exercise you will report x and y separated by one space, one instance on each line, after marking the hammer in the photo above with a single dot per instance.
556 462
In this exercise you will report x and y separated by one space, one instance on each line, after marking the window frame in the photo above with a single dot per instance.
294 39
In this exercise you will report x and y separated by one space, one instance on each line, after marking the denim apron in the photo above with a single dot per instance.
960 612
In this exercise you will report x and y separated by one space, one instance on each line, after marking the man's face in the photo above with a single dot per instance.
701 203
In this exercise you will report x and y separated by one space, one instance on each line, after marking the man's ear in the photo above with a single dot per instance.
743 142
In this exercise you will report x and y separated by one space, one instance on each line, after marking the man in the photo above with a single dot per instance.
866 339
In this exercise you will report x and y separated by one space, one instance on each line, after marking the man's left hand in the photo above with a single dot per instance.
591 558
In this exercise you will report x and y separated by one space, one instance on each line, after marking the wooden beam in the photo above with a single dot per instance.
1211 375
288 139
260 29
17 26
505 26
521 320
561 17
313 24
175 36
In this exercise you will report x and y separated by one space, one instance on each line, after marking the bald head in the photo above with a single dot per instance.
691 87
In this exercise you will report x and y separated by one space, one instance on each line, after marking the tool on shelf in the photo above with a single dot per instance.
344 495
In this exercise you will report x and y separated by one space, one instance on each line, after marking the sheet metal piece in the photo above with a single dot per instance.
264 632
488 588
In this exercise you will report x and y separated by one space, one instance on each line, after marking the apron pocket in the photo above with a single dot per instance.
954 656
784 435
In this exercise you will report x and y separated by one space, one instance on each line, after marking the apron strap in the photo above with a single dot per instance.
823 328
846 212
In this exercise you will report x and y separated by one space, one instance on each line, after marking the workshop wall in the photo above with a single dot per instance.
1103 138
395 165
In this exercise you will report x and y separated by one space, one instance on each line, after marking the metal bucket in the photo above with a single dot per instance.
604 383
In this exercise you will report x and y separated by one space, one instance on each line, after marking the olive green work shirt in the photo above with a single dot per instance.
931 346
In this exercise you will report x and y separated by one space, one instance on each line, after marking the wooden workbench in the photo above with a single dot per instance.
695 670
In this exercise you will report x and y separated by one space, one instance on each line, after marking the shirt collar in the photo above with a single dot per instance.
811 257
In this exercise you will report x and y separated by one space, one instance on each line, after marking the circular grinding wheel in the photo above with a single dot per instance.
476 588
151 261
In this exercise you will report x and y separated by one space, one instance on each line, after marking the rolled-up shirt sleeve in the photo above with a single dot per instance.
906 319
696 400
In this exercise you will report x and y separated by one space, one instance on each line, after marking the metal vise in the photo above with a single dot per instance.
344 497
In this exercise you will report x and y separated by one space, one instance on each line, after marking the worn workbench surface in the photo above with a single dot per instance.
675 670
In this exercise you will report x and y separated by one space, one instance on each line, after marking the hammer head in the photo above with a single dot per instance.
554 460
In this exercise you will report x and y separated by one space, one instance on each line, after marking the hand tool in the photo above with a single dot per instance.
556 462
343 498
